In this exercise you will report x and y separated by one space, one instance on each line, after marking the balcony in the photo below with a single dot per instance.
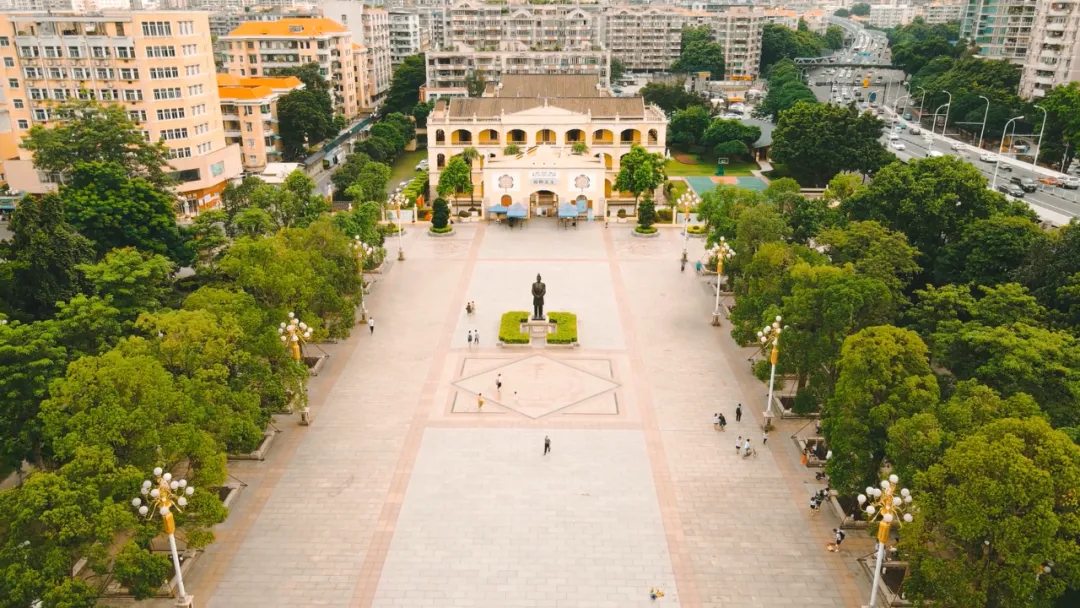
1050 80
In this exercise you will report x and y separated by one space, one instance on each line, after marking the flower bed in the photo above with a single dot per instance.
696 229
442 230
510 327
565 328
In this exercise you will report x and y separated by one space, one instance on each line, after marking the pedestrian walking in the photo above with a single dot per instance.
498 382
716 422
547 444
472 305
764 438
738 413
840 535
371 324
470 338
480 402
476 337
738 444
747 449
723 423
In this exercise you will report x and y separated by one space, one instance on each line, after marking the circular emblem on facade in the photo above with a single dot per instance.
582 182
506 182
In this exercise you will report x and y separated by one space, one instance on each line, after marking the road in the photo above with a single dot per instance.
1052 203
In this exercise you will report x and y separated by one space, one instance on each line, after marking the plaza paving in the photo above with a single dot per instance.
404 494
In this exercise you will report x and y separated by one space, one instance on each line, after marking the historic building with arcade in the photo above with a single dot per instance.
544 116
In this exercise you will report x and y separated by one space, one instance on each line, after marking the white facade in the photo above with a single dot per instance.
1054 55
888 16
942 12
1002 30
370 28
408 36
447 70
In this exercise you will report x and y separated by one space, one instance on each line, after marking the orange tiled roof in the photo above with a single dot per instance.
285 27
241 93
253 87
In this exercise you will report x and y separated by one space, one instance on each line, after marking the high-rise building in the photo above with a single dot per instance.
408 36
260 48
158 65
447 70
1054 55
370 28
1002 29
249 112
483 26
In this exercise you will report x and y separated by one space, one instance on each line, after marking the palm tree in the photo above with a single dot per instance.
469 155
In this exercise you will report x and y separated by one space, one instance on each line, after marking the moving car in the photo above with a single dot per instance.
898 145
988 158
1011 190
1050 180
914 130
957 146
1026 183
1072 183
894 137
934 154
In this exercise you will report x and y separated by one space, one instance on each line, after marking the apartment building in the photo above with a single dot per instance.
1054 55
157 65
889 15
649 38
483 26
249 114
408 36
223 22
942 12
370 28
261 48
1002 28
447 70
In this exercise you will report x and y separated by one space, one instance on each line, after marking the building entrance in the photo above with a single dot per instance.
544 203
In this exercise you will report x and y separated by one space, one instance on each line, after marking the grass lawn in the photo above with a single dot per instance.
735 168
404 167
678 188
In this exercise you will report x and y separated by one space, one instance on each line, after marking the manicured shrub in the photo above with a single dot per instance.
510 327
440 213
565 328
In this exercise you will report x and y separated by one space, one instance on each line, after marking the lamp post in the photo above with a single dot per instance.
363 250
997 161
399 199
1040 570
921 101
1038 146
885 507
686 201
948 108
293 334
770 337
896 103
168 494
722 251
986 114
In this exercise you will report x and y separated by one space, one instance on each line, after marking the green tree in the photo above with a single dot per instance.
721 132
1051 270
40 266
834 37
30 358
860 9
405 126
295 203
115 210
842 12
421 111
932 201
208 235
440 214
786 88
884 376
617 69
379 149
999 504
346 174
640 172
695 33
391 133
90 132
455 178
874 251
687 127
132 281
671 97
235 198
808 217
646 213
405 85
253 221
990 250
370 184
141 571
701 56
826 305
842 186
1062 104
817 141
938 313
780 42
303 122
721 208
761 285
474 84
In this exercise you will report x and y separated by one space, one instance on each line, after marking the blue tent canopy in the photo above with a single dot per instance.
498 209
517 210
568 211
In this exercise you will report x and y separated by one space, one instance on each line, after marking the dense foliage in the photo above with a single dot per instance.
786 88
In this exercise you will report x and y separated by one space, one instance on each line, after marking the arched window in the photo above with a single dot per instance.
440 161
440 137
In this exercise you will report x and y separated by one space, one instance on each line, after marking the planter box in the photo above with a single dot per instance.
502 344
645 236
696 236
260 452
565 346
885 592
847 520
801 441
315 364
441 234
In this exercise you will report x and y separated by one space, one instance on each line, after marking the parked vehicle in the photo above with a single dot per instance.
1072 182
1011 190
1026 183
423 164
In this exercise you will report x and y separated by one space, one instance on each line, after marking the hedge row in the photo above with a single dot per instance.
565 328
417 187
510 327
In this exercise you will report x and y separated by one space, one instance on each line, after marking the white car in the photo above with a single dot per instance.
420 166
957 146
988 158
898 145
1072 183
894 137
915 130
934 154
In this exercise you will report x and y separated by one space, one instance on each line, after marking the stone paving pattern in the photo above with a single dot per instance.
403 494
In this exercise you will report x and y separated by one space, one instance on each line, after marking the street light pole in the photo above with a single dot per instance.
1038 146
896 104
685 201
398 200
169 494
770 336
948 107
922 100
293 334
363 250
997 160
722 252
885 507
986 114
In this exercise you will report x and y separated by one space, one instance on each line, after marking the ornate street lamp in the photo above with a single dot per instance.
722 251
885 507
363 251
686 201
770 337
294 334
164 496
399 200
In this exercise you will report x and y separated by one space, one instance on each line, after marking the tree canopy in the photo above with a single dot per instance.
404 93
818 141
640 172
671 97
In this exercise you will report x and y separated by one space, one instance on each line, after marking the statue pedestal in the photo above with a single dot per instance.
539 329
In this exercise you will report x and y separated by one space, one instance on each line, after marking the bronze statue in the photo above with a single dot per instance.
538 291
